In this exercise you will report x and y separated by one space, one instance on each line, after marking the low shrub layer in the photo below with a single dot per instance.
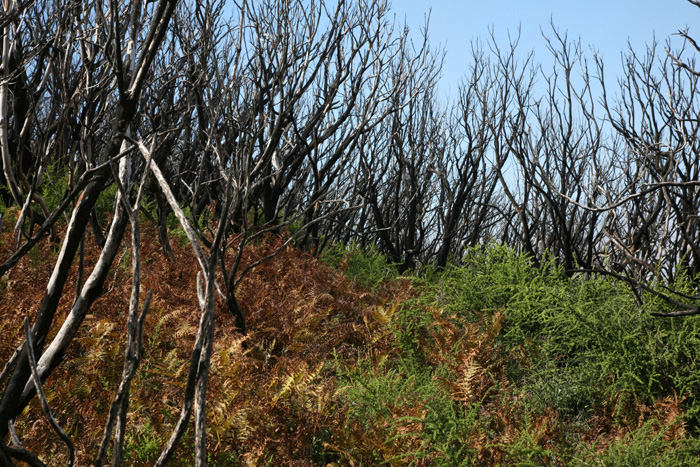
493 362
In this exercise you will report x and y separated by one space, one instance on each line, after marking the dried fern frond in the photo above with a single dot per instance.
466 382
297 383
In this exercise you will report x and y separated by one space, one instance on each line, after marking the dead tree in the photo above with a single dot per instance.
115 57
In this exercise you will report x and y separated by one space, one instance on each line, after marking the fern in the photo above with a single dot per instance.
466 381
297 384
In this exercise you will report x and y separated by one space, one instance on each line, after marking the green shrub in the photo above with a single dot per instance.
54 185
568 391
105 201
408 414
645 447
489 277
367 267
580 325
142 444
175 228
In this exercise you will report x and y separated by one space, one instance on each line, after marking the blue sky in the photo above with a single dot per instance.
605 25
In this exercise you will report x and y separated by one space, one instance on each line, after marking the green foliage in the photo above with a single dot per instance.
367 267
295 227
226 459
142 444
176 230
124 262
3 208
105 202
681 284
493 362
489 277
54 184
527 449
565 390
371 393
148 204
645 447
408 414
578 326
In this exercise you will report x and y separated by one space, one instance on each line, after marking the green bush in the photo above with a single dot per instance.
574 350
142 444
367 267
384 401
54 185
578 325
105 202
644 447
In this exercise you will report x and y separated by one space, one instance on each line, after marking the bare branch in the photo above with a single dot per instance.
42 397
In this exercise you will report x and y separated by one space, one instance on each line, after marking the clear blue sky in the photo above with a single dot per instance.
604 25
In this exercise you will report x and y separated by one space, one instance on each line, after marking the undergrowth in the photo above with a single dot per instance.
489 362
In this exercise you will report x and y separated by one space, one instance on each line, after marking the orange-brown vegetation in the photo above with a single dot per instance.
269 399
279 400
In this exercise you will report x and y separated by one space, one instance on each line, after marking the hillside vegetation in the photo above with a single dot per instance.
493 362
253 233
